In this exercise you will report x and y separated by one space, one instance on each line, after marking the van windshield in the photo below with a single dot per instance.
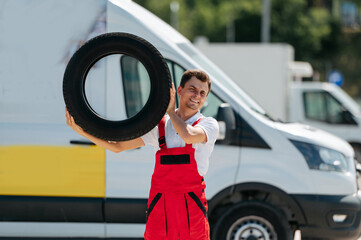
221 77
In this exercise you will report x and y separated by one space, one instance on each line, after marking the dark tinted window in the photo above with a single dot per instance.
136 84
322 106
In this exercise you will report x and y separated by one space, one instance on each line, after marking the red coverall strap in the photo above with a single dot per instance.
195 123
161 131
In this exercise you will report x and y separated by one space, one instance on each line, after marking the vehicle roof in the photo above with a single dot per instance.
148 20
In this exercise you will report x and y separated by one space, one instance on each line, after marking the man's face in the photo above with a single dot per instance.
194 94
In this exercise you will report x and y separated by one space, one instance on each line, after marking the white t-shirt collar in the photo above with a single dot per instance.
194 118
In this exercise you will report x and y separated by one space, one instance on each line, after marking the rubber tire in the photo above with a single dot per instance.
253 208
75 76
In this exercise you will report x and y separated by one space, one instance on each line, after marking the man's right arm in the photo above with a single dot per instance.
112 146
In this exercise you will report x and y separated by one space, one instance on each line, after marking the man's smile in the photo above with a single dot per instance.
194 101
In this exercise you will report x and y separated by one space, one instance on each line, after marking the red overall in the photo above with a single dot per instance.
177 205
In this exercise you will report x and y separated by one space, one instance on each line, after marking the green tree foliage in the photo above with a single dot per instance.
348 61
310 31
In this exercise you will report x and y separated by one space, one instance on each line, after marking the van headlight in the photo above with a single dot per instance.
321 158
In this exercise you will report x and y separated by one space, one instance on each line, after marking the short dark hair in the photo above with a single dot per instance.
199 74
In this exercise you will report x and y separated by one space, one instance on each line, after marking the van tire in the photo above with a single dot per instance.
75 76
252 218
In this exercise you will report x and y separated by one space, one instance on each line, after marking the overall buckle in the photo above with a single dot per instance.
161 141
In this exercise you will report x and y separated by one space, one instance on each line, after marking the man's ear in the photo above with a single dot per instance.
179 89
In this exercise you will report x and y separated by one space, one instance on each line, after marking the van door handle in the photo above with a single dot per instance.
81 142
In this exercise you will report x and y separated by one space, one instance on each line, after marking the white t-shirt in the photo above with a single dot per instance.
202 150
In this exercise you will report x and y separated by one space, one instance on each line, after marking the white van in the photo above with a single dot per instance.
266 179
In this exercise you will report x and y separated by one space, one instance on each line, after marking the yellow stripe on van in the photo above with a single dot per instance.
77 171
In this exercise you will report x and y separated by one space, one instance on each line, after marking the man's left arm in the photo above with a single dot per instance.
188 133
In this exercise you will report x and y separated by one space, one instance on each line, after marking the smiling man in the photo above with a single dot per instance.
184 140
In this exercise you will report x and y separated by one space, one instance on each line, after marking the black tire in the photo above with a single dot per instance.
252 220
75 76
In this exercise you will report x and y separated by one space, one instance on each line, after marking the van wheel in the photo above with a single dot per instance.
252 220
75 76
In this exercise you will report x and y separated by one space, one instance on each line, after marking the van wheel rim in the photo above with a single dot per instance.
251 228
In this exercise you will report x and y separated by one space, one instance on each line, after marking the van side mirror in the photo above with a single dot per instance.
227 124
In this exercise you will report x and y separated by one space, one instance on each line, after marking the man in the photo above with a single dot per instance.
177 205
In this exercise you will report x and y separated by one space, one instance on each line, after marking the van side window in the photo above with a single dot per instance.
210 107
334 109
315 106
322 106
136 84
176 72
247 136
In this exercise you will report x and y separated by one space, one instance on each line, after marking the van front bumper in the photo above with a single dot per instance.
330 217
